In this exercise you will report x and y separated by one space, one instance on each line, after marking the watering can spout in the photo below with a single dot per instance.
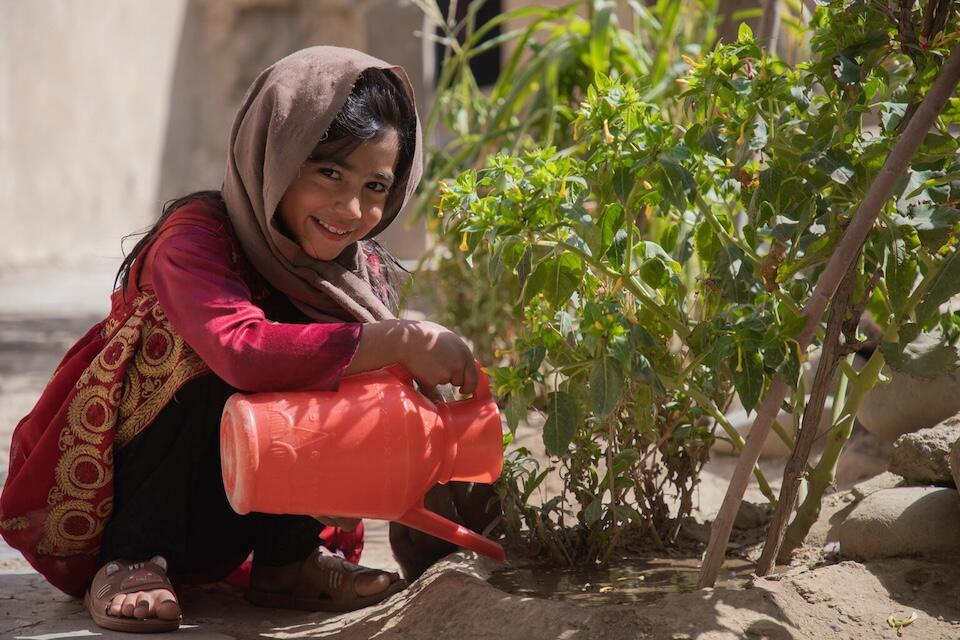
423 520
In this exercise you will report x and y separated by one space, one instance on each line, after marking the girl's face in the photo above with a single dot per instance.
334 202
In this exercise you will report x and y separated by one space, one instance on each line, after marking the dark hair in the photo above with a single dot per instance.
376 103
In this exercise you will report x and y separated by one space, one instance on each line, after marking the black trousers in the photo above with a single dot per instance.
169 498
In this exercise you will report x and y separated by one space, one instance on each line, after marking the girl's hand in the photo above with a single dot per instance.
432 354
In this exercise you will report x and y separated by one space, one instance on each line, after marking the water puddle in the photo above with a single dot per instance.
629 580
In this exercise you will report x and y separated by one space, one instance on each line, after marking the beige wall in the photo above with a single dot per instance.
109 108
82 114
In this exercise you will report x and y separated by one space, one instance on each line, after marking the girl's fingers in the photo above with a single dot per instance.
456 378
470 377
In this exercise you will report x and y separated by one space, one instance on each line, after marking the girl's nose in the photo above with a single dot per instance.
349 207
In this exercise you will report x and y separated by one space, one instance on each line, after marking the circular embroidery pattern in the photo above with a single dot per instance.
159 349
80 471
75 525
91 414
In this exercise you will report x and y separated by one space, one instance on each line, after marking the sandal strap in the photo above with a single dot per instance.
128 578
333 574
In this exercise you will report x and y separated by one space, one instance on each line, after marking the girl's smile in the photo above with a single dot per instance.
335 201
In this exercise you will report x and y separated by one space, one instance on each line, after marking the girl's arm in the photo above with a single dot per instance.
190 268
210 305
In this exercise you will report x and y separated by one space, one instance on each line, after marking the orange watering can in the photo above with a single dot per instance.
370 450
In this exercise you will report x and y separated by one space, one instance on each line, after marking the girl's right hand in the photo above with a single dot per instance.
432 354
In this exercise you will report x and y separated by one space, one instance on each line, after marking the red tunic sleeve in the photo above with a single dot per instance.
191 270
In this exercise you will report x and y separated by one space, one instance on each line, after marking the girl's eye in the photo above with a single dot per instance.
328 172
377 187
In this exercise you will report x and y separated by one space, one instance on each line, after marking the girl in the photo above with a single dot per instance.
272 283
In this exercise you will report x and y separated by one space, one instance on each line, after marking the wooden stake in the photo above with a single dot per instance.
830 356
846 252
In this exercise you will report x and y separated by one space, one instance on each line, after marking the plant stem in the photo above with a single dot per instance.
826 470
728 239
846 252
735 438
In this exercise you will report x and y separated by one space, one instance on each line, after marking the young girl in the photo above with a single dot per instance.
272 283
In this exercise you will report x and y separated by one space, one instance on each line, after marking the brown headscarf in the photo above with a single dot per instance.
284 115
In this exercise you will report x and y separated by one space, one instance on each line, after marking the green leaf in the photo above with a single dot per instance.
593 511
516 410
600 39
624 460
562 421
610 221
901 274
891 113
922 358
836 165
748 377
945 285
606 379
933 223
556 278
846 70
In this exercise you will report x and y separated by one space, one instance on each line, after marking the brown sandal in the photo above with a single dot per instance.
116 578
325 583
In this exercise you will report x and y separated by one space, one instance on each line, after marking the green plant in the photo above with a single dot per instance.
660 267
553 58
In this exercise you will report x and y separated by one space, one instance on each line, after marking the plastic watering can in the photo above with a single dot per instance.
370 450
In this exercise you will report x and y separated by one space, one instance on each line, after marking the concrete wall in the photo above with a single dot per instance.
108 109
83 108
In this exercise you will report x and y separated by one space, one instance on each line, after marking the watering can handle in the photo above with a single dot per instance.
482 391
427 521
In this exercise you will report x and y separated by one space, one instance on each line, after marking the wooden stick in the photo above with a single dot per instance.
846 252
793 473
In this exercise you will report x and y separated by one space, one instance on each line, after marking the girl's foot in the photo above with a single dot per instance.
321 583
134 597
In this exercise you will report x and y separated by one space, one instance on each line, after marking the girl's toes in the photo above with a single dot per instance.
141 609
168 610
367 586
115 606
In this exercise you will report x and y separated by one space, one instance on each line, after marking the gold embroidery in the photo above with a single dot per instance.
185 370
15 524
139 369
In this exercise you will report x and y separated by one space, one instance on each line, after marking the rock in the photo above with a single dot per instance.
752 515
923 457
885 480
908 403
901 522
955 462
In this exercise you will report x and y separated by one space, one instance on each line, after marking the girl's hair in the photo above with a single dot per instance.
376 104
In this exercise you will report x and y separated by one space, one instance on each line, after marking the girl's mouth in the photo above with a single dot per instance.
329 231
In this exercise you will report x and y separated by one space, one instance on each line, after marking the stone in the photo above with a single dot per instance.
752 515
908 403
904 521
955 462
923 457
885 480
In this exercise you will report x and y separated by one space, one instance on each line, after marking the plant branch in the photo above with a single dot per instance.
796 466
846 252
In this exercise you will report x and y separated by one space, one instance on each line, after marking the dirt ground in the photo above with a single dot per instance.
42 313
